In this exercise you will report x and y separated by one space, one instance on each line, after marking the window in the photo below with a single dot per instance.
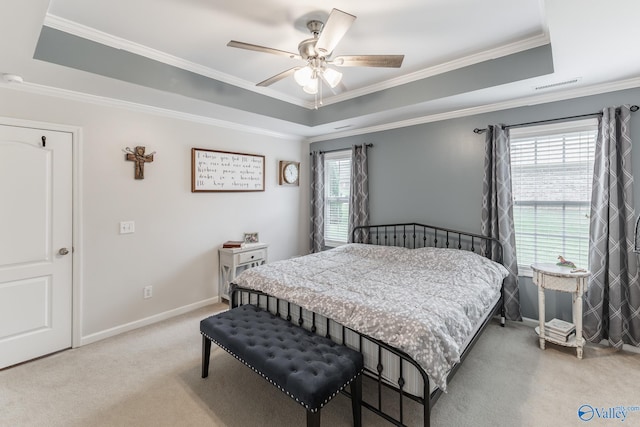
552 173
337 176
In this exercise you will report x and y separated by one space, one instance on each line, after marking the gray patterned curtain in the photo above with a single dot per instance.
612 302
497 210
359 193
317 201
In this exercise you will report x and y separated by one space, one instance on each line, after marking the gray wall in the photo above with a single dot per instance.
432 173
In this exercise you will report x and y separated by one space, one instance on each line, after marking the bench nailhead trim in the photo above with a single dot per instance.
280 388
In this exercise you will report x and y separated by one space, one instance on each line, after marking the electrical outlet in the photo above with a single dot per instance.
127 227
148 291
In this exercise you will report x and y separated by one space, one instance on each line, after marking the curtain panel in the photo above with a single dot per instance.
317 201
612 302
497 211
359 192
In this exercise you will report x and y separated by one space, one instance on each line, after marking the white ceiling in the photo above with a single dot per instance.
593 42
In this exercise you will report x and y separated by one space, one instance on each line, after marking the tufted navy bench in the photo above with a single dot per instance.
309 368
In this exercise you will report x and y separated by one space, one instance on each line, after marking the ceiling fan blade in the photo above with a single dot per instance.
278 77
388 61
336 27
257 48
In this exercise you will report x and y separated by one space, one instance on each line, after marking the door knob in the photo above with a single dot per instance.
63 251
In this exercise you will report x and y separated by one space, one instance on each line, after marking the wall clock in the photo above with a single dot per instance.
289 173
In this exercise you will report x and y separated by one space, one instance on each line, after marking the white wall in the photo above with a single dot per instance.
174 247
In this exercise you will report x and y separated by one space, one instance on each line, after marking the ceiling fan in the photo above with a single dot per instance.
316 51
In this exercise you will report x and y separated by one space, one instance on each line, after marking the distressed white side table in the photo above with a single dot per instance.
233 260
554 277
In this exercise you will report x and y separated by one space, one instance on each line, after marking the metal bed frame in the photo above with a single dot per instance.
410 235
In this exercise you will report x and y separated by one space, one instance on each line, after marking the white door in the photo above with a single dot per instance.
35 243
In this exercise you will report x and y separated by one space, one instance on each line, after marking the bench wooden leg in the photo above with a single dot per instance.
313 418
356 401
206 352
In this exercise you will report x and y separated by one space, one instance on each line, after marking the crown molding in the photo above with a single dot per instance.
505 105
106 39
83 31
141 108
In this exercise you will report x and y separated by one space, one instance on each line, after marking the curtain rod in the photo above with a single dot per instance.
479 131
340 149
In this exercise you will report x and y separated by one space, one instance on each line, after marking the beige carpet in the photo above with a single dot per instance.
151 377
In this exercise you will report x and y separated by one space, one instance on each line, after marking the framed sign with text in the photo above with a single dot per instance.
224 171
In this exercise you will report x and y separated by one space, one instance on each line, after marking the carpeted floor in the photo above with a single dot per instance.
151 377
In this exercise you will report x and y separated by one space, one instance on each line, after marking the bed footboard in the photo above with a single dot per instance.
379 357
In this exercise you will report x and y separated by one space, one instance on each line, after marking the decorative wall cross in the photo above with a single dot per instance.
139 158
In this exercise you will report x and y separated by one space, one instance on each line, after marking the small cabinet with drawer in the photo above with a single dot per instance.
232 261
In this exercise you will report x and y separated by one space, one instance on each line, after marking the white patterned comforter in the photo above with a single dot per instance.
424 301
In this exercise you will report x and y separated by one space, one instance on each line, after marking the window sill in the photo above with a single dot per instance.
333 244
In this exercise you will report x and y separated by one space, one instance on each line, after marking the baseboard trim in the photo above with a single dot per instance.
529 322
88 339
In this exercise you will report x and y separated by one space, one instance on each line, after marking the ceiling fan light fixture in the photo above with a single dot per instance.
303 76
311 87
332 77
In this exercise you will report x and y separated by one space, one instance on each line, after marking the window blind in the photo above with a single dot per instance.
337 187
552 173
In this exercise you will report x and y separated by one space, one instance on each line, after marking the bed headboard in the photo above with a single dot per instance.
414 235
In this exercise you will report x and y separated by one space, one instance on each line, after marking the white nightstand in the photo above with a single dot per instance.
234 260
551 276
